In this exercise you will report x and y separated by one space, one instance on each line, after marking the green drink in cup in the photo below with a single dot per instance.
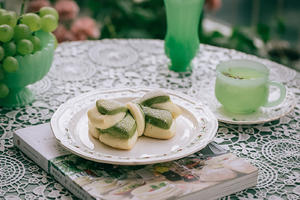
242 86
182 40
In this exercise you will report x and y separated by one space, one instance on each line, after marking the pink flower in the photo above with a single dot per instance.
84 28
213 4
62 34
67 9
36 5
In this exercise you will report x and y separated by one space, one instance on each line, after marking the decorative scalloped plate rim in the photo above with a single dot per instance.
197 120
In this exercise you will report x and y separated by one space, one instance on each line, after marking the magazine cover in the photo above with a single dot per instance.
210 173
158 181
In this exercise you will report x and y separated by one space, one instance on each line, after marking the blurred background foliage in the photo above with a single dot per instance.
146 19
264 28
128 18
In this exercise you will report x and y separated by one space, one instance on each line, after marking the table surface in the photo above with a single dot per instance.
79 67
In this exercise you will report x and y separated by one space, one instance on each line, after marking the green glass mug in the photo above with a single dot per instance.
242 86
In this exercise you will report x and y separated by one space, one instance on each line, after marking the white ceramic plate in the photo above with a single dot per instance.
262 115
195 128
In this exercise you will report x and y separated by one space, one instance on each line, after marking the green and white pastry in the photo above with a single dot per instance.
159 133
110 107
169 106
153 115
119 143
159 123
154 97
160 100
104 121
122 135
137 113
104 115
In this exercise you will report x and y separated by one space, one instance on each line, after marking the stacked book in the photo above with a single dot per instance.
208 174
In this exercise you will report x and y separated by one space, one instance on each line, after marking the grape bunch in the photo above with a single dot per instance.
17 38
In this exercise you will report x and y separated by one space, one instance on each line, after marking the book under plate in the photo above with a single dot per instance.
208 174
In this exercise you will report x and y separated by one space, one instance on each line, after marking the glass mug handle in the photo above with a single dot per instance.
281 97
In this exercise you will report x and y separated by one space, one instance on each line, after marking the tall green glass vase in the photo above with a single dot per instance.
182 40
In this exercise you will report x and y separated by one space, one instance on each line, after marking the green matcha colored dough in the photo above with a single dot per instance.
110 107
154 100
124 129
160 118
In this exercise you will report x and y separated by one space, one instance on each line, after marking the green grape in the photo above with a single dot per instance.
21 31
4 91
10 48
10 64
36 43
6 33
48 11
33 21
24 47
1 53
49 23
9 18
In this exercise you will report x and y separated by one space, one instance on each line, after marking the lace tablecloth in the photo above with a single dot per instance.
79 67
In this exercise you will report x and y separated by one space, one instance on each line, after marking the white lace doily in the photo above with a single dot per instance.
80 67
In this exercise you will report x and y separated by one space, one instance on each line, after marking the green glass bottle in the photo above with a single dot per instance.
182 40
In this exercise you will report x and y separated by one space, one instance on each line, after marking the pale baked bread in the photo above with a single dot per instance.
159 133
104 121
118 143
138 115
92 130
169 106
